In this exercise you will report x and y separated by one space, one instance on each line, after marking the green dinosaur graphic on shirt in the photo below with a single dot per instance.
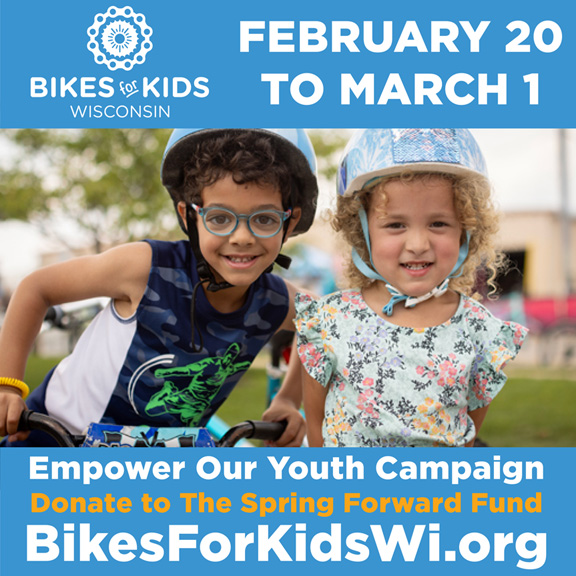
207 377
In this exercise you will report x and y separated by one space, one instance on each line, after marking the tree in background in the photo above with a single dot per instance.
107 181
328 145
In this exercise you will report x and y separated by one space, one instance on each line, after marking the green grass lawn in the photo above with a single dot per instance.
37 368
248 400
535 409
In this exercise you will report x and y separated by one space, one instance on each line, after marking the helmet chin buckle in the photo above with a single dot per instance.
215 286
206 275
283 261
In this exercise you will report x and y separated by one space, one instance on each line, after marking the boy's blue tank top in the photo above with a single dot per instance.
163 382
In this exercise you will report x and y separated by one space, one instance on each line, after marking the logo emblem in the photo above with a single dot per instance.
119 38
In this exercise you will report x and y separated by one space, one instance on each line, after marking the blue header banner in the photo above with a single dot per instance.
490 64
224 511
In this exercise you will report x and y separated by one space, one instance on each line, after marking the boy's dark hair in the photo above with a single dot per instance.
198 157
248 157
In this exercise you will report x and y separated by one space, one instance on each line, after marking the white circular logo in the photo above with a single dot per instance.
119 38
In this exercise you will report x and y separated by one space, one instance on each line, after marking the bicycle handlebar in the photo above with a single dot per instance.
256 429
36 421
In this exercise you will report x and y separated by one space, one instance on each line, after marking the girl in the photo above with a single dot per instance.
407 357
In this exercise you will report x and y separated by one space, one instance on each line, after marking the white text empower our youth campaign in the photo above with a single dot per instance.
286 467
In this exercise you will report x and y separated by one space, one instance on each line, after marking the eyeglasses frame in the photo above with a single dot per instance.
202 212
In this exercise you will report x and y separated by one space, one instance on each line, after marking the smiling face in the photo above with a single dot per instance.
414 233
241 257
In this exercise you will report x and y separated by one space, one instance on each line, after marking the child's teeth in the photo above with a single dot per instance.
240 259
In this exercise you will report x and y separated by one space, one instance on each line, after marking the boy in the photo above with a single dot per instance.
186 319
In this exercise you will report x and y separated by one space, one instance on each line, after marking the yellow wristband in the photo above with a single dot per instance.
15 383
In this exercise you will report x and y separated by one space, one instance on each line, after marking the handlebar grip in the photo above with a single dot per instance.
267 430
257 429
30 420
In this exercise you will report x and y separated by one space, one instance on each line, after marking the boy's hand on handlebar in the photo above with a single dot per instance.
295 429
11 407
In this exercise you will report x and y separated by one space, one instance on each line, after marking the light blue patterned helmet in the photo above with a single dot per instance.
376 152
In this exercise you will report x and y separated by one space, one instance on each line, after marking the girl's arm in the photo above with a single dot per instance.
120 273
477 416
314 402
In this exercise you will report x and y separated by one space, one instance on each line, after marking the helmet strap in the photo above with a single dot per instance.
282 260
396 295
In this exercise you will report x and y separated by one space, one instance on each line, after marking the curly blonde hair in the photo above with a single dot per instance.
476 213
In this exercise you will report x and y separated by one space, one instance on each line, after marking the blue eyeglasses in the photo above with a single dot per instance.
262 223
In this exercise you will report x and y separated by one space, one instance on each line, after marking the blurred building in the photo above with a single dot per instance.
535 243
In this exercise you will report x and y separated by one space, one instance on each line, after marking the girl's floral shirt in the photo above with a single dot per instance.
396 386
